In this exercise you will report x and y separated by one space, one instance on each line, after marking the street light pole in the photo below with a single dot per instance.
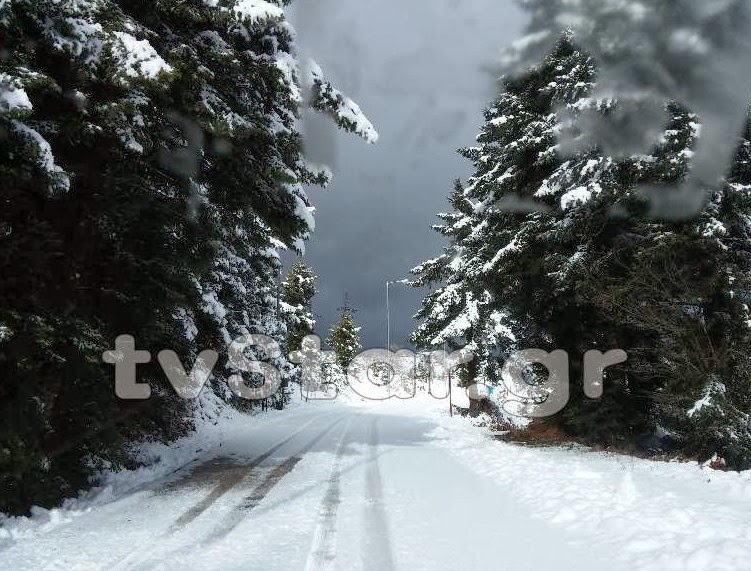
388 318
451 406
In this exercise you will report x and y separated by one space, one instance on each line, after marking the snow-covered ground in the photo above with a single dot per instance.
395 485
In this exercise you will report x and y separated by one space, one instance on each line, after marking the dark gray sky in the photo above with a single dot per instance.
419 70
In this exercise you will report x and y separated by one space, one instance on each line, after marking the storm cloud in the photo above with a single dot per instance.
421 72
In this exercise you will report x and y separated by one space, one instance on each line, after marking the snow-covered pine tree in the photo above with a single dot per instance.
676 292
651 53
244 88
562 248
496 215
151 171
444 313
344 339
93 245
683 289
298 290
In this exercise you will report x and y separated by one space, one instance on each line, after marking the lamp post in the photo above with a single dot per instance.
451 406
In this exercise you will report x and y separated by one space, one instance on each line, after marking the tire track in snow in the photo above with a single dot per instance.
376 554
233 477
227 484
252 500
323 548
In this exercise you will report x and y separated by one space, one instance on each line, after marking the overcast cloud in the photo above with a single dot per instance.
419 70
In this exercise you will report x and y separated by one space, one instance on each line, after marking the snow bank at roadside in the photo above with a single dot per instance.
214 420
648 514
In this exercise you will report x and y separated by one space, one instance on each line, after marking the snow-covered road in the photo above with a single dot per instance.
334 486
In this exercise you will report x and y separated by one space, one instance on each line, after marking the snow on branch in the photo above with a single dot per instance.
326 98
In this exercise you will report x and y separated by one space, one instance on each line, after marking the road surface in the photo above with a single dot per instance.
325 486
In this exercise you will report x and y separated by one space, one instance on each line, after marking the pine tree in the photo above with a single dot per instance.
92 246
151 171
297 294
691 52
496 214
344 339
562 248
685 291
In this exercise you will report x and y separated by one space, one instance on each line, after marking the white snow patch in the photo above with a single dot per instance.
186 318
46 159
347 110
257 10
305 213
363 127
707 398
214 421
578 195
714 228
509 248
140 57
646 515
12 95
498 121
